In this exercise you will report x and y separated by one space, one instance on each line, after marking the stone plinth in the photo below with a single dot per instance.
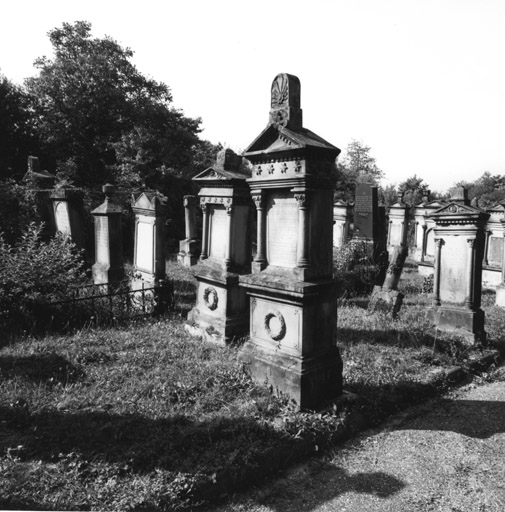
190 247
150 209
108 267
342 220
67 208
457 285
220 314
292 343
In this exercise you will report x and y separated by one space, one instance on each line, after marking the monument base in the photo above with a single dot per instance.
105 274
292 345
220 314
389 301
467 321
189 252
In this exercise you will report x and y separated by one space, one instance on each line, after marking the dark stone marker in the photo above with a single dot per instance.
366 212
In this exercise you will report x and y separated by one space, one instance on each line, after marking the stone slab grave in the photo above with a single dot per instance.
457 283
221 311
398 224
108 267
342 220
500 289
292 339
387 298
190 247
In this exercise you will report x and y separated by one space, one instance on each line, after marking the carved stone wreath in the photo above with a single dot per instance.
210 298
279 331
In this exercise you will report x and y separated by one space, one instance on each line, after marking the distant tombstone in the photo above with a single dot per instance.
108 267
67 208
459 248
150 209
398 225
500 290
342 220
292 343
190 247
220 314
369 225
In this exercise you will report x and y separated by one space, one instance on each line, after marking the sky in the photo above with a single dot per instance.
422 82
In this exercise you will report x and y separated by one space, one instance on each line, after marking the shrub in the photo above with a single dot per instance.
354 269
33 273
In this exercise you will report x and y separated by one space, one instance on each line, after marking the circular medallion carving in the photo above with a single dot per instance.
275 325
210 298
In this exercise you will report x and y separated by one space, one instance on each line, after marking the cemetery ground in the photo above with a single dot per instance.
145 417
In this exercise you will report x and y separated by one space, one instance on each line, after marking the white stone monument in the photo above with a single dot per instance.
67 207
342 220
190 247
398 225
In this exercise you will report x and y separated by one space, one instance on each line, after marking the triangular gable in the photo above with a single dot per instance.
213 173
459 208
143 201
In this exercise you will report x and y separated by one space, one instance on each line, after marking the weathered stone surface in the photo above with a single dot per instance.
292 342
459 248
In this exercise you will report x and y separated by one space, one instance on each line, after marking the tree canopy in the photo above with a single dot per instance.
101 119
357 165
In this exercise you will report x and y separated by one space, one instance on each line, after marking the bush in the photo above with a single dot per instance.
354 269
34 273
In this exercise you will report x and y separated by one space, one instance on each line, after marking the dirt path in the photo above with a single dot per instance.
446 455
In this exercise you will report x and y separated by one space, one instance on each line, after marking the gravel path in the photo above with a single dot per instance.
445 455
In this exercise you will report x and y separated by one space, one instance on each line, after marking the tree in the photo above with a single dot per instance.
100 117
412 190
488 189
356 166
16 131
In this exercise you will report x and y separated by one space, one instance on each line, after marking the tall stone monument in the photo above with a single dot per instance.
457 284
190 247
108 267
292 343
150 209
220 314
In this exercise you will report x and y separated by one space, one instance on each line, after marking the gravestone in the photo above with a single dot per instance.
292 339
369 220
342 220
221 311
500 289
457 283
67 208
108 267
150 210
190 247
398 224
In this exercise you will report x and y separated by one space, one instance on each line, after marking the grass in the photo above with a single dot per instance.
143 416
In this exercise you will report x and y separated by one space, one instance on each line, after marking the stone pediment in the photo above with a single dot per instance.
220 174
149 202
458 213
279 140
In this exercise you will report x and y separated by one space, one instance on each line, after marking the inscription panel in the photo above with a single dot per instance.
62 217
145 246
102 240
454 270
218 233
365 210
495 251
282 230
395 235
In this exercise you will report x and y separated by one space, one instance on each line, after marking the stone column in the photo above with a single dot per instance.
469 277
259 200
229 242
190 217
436 277
205 231
486 247
303 231
425 242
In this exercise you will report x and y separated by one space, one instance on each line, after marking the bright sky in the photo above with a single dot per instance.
420 81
